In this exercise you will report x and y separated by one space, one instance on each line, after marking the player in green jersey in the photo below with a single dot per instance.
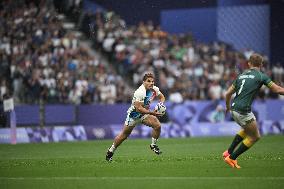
246 87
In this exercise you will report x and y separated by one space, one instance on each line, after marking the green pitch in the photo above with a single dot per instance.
185 163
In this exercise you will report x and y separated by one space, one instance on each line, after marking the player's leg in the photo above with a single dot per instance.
238 137
249 124
152 121
129 125
126 131
252 136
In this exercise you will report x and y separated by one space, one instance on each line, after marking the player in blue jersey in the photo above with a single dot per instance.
139 113
246 87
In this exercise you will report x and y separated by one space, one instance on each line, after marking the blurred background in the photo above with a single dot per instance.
71 66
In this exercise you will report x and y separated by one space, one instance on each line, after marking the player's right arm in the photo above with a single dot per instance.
139 108
276 88
228 96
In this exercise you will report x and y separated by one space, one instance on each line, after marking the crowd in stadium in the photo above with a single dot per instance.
185 69
42 60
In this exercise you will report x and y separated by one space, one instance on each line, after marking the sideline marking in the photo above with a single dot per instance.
140 178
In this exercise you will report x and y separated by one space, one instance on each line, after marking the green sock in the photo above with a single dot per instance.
235 143
242 148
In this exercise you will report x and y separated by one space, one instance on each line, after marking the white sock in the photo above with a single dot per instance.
154 141
112 148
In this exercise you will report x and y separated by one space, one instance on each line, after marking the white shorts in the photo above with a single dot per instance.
132 122
242 119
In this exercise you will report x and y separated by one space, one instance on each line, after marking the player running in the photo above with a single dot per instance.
139 113
246 87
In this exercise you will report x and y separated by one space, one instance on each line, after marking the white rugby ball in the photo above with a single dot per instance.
161 108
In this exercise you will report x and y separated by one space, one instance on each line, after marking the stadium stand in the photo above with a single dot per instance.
40 59
185 69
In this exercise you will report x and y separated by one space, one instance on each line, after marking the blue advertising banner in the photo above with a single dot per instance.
21 133
45 134
183 113
169 130
187 119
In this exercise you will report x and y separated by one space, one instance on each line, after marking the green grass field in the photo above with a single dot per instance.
185 163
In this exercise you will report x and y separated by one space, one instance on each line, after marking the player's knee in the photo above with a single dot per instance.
157 125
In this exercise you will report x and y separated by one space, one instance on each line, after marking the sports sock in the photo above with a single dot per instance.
112 148
154 141
238 138
245 145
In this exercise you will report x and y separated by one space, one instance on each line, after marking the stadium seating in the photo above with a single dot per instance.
184 68
41 60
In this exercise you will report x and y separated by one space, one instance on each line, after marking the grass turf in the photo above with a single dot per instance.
185 163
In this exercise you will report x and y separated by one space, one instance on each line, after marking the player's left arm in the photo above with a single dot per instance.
272 86
275 88
161 97
230 91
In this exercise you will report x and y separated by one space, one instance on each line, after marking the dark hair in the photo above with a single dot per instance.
148 75
256 59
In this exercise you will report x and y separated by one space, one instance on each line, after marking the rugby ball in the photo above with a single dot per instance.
161 108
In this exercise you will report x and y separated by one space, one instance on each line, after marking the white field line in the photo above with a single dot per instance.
141 178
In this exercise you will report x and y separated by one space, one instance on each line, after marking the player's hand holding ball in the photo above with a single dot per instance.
160 108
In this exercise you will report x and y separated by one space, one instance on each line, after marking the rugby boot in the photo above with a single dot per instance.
155 149
109 155
232 163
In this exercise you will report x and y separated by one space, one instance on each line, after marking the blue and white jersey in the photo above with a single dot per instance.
144 96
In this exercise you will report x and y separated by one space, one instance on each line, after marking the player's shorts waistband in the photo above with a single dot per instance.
242 112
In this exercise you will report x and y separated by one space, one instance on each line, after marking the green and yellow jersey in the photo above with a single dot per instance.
247 86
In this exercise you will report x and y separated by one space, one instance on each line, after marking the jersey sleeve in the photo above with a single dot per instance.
266 80
138 96
157 90
234 84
